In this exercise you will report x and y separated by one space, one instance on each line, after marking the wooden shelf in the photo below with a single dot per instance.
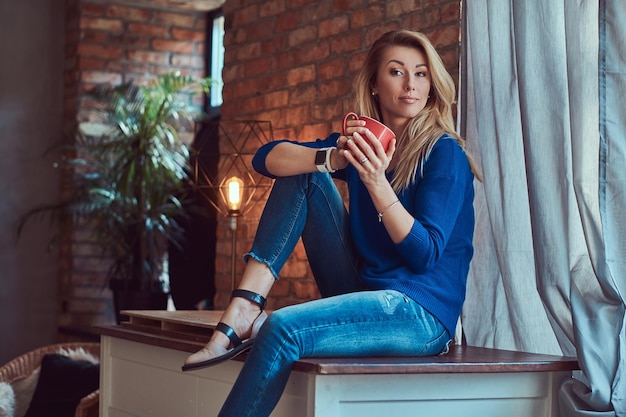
190 330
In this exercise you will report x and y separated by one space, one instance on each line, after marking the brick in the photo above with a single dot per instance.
287 21
272 115
128 13
315 12
172 46
445 36
301 75
314 53
109 25
148 57
281 288
294 269
174 19
306 290
91 9
273 45
93 36
90 63
367 17
451 13
99 77
349 43
259 31
299 252
356 62
148 29
334 88
399 8
425 20
232 73
246 15
188 35
275 99
257 66
126 67
296 115
200 49
303 35
201 24
271 8
99 51
333 26
249 51
340 6
315 131
244 88
286 60
132 40
450 60
332 69
375 32
328 110
302 94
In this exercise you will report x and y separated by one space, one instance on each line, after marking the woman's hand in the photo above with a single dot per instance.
363 150
338 160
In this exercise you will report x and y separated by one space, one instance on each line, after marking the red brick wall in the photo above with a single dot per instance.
292 62
108 41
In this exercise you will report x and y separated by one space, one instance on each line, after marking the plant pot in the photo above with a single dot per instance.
132 299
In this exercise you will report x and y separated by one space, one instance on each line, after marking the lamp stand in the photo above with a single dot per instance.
232 225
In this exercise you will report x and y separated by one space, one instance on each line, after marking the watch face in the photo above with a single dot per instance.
320 157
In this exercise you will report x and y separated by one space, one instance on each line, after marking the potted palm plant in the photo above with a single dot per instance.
130 178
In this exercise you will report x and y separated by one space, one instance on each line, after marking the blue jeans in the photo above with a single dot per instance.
348 321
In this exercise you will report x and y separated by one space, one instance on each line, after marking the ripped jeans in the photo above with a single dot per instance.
349 321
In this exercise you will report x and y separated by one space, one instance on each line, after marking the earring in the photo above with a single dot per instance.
373 93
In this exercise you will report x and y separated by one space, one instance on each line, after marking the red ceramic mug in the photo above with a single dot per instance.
382 132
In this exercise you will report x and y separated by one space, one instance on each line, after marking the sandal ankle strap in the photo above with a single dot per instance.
250 296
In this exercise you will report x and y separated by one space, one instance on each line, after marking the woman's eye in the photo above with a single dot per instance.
396 72
420 74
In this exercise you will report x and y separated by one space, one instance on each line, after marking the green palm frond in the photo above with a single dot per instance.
130 182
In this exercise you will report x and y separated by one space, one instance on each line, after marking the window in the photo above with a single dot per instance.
216 59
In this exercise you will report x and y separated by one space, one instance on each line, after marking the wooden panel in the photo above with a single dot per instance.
441 395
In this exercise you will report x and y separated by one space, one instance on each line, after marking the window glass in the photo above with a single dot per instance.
217 60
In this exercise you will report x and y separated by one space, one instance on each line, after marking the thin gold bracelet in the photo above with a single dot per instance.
382 213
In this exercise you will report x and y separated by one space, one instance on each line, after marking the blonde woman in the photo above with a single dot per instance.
392 272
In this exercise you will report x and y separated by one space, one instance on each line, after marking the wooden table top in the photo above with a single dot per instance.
188 331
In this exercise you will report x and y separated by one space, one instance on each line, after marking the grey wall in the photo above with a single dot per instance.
31 98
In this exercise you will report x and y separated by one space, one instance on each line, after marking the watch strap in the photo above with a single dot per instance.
322 159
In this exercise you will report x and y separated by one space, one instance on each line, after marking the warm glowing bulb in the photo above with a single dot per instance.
234 193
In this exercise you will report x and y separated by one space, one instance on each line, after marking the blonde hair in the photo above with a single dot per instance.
435 119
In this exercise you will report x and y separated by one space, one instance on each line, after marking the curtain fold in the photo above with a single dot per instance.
545 120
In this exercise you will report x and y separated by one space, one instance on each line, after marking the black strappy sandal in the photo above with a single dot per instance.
238 346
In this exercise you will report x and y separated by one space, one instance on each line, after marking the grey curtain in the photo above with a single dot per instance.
545 117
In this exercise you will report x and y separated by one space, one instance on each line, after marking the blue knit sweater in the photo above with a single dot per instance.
431 264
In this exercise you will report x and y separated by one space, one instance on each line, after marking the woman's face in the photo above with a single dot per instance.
402 85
